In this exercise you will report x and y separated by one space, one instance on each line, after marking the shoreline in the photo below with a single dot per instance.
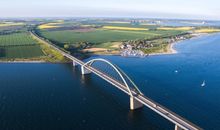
22 61
170 51
11 62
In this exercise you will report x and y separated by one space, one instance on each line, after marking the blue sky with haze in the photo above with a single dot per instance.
190 9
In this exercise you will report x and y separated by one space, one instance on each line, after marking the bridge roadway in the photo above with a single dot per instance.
180 123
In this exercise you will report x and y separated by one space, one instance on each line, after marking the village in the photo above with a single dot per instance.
136 48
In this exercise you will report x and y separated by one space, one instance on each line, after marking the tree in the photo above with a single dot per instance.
66 46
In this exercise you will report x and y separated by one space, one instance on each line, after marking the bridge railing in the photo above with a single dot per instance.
136 96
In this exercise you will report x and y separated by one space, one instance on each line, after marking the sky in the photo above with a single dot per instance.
173 9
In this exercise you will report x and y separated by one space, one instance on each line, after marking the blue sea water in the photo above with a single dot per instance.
56 96
189 23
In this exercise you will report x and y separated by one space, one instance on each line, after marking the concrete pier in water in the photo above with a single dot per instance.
134 104
84 70
137 99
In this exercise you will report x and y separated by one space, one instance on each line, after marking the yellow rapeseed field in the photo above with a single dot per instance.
124 28
207 30
175 28
5 24
49 25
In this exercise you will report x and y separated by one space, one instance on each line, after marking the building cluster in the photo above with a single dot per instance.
132 53
176 38
136 44
134 47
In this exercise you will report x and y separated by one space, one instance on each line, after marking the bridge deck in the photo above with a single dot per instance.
161 110
156 107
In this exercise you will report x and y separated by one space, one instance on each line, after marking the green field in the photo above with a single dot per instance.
19 45
12 28
91 36
102 36
13 52
16 39
128 25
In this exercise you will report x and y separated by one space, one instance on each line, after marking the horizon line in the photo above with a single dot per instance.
113 17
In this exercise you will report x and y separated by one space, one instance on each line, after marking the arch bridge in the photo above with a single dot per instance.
115 76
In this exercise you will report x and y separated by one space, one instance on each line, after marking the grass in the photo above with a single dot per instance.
124 24
102 36
108 36
162 48
124 28
207 30
18 46
11 28
51 54
24 47
14 52
109 45
16 39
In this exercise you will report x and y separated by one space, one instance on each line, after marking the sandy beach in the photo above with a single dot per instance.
170 48
170 51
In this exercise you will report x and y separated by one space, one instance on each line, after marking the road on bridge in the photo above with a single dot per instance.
180 123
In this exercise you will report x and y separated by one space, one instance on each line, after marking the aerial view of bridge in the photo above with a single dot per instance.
125 84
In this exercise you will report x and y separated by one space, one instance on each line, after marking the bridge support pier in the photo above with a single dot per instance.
134 104
74 63
84 70
177 127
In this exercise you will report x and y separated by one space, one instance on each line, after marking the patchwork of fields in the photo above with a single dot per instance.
124 28
19 45
16 39
118 24
105 37
100 36
86 35
13 52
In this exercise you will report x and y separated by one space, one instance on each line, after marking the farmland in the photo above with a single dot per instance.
11 28
207 30
16 39
19 46
20 52
102 36
121 24
5 24
87 36
124 28
176 28
49 25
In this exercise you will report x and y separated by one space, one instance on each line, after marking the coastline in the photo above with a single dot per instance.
170 51
22 62
170 48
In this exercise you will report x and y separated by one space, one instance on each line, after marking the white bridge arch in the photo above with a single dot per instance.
137 100
122 75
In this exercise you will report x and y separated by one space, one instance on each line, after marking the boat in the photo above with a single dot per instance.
203 84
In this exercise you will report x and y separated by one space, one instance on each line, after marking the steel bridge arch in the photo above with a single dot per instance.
119 72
